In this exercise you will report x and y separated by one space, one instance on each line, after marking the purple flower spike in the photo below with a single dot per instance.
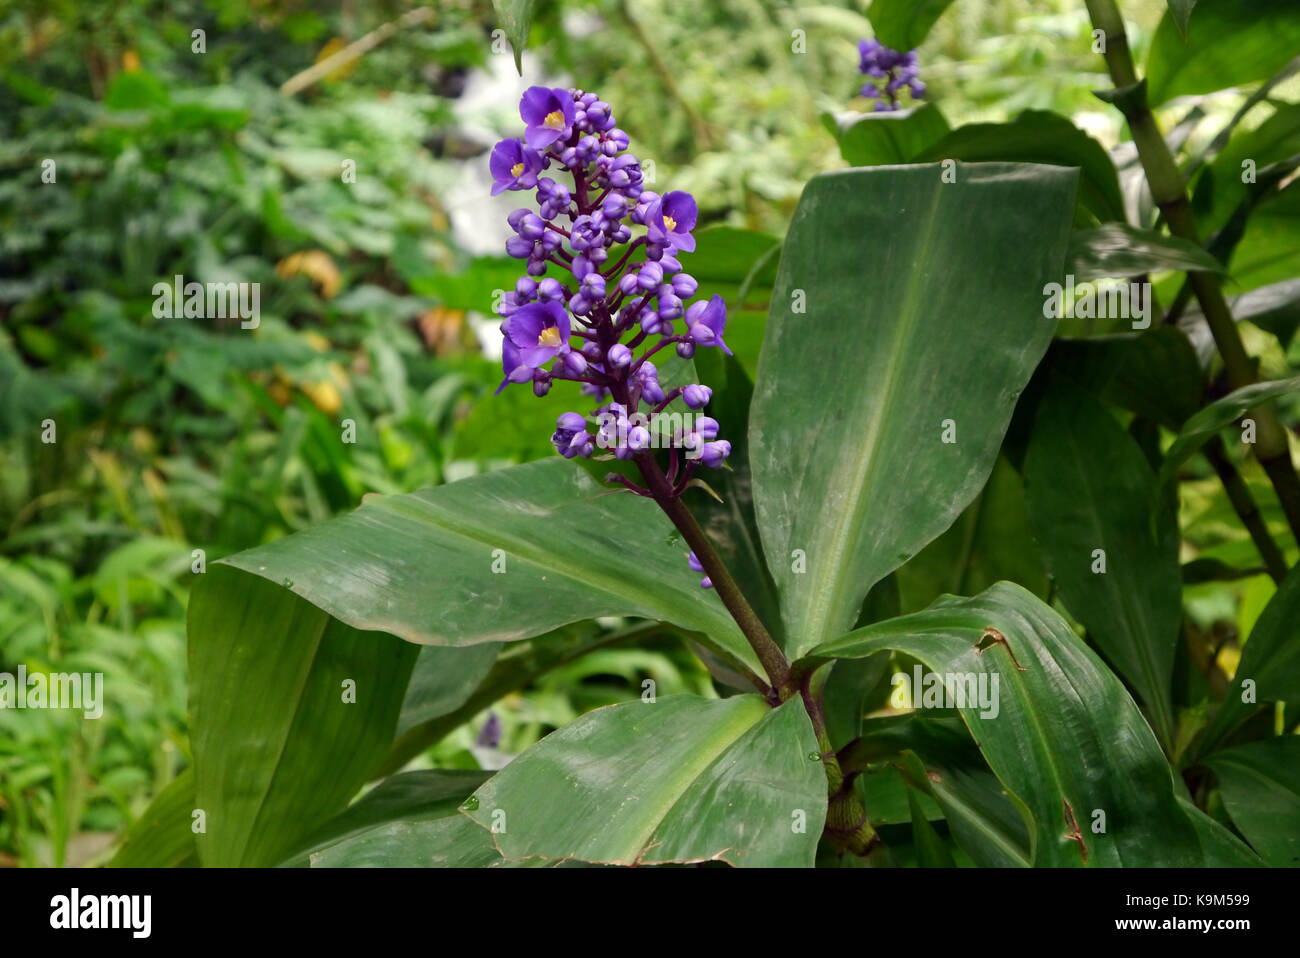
514 166
549 114
671 220
540 331
706 322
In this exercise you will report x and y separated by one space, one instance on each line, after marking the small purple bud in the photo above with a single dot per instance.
693 561
531 227
706 583
707 427
575 363
713 453
526 288
620 357
516 216
519 248
695 395
650 276
627 284
685 285
685 350
550 290
638 438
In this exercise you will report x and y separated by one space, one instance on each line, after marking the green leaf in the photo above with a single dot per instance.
409 798
1216 416
1181 10
1274 308
1229 44
161 837
517 665
1153 373
1270 662
901 278
442 680
1260 784
516 18
1220 847
721 780
903 24
931 851
268 674
1088 487
1038 136
1066 741
990 541
940 760
421 566
887 139
1117 249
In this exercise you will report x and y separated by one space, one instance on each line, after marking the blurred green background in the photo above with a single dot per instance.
176 435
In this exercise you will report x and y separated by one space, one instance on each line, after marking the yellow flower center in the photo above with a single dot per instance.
555 120
550 336
517 169
670 223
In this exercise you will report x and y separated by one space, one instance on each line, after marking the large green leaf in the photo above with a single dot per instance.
682 779
1117 249
886 138
409 798
1270 661
902 279
278 747
1228 43
1067 741
421 565
1039 136
1088 487
1260 783
903 24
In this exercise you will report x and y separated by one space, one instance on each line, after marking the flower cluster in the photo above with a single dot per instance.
898 70
606 312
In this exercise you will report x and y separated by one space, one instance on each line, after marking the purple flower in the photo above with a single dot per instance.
540 331
671 220
549 115
706 322
512 363
514 166
697 396
571 437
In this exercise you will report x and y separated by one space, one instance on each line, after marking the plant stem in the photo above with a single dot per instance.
769 653
1167 189
1244 505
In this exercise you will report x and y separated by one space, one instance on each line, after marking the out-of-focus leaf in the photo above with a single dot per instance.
516 18
1229 43
887 138
903 24
161 837
1038 136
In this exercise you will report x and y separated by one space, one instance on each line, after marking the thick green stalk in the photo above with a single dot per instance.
769 653
1167 189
